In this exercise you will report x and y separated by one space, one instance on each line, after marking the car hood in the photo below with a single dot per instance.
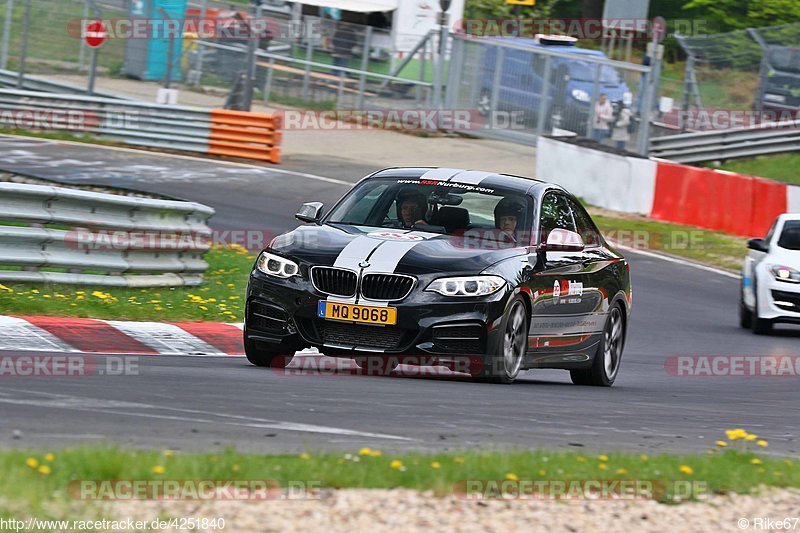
391 250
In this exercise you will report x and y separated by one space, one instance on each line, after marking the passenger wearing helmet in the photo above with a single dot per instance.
411 208
508 213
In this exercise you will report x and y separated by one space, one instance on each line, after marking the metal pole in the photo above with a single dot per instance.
647 104
362 82
309 58
198 62
93 59
82 50
438 75
541 123
268 81
593 102
23 47
6 33
250 64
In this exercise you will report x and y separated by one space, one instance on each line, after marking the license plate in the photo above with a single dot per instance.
357 313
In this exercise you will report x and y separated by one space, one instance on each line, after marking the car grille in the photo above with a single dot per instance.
336 281
789 301
467 339
266 317
386 286
357 335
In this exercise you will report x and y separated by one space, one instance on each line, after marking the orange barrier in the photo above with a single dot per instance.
724 201
246 135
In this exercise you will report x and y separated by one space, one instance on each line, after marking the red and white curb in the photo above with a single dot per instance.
86 335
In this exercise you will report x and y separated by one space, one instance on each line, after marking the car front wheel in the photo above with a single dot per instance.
504 367
608 358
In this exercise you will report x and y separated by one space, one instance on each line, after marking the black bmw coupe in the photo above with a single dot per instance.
484 273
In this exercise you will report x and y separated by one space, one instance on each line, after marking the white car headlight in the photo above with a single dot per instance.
467 286
277 266
581 95
775 98
784 273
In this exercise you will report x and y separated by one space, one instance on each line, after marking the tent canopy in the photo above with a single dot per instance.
360 6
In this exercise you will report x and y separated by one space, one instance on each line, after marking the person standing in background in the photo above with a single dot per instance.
344 39
603 115
620 133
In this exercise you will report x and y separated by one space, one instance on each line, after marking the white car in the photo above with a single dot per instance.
771 277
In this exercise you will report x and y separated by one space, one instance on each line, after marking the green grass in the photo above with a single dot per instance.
784 167
220 298
706 246
739 468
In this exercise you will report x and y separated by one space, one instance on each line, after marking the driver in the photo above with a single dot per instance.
412 206
508 213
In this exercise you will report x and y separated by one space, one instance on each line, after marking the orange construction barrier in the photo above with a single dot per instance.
246 135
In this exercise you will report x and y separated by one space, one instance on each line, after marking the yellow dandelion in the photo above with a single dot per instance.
32 462
158 470
44 469
602 466
512 476
735 434
305 456
750 437
542 472
375 453
49 457
436 465
4 288
755 461
621 471
686 469
458 460
581 459
364 451
397 464
235 468
762 443
721 443
169 453
602 457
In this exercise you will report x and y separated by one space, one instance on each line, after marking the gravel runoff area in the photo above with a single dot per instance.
410 511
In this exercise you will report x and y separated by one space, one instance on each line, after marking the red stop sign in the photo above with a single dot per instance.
95 34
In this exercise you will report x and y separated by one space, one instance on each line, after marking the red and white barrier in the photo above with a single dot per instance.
706 198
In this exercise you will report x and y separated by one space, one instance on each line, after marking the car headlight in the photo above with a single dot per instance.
467 286
277 266
581 95
775 98
784 273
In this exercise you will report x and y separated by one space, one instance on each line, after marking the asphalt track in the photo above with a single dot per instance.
197 403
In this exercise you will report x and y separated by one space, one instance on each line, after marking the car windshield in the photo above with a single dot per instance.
790 236
786 59
449 208
580 71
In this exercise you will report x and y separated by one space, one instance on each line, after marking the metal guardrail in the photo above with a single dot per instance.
763 139
216 132
99 238
9 78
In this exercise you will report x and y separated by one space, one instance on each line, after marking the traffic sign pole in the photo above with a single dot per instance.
95 34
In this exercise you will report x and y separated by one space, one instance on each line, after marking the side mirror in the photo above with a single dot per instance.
562 240
309 212
759 245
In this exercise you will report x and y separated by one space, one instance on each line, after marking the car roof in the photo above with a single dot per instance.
532 43
789 216
478 178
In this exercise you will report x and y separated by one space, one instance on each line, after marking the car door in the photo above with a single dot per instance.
557 284
597 279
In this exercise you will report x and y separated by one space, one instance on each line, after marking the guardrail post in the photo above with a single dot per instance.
593 102
362 82
544 110
268 81
498 73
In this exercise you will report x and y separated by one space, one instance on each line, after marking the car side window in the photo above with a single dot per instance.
583 222
771 231
555 213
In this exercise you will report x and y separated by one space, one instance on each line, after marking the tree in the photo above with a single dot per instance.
728 15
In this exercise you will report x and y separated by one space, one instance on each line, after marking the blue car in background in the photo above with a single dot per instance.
521 83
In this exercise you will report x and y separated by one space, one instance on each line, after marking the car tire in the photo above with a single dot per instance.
607 360
505 366
265 358
745 314
760 326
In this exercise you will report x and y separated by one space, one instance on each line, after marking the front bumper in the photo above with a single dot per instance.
778 300
283 315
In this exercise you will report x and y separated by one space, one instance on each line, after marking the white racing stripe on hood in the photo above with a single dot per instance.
351 255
